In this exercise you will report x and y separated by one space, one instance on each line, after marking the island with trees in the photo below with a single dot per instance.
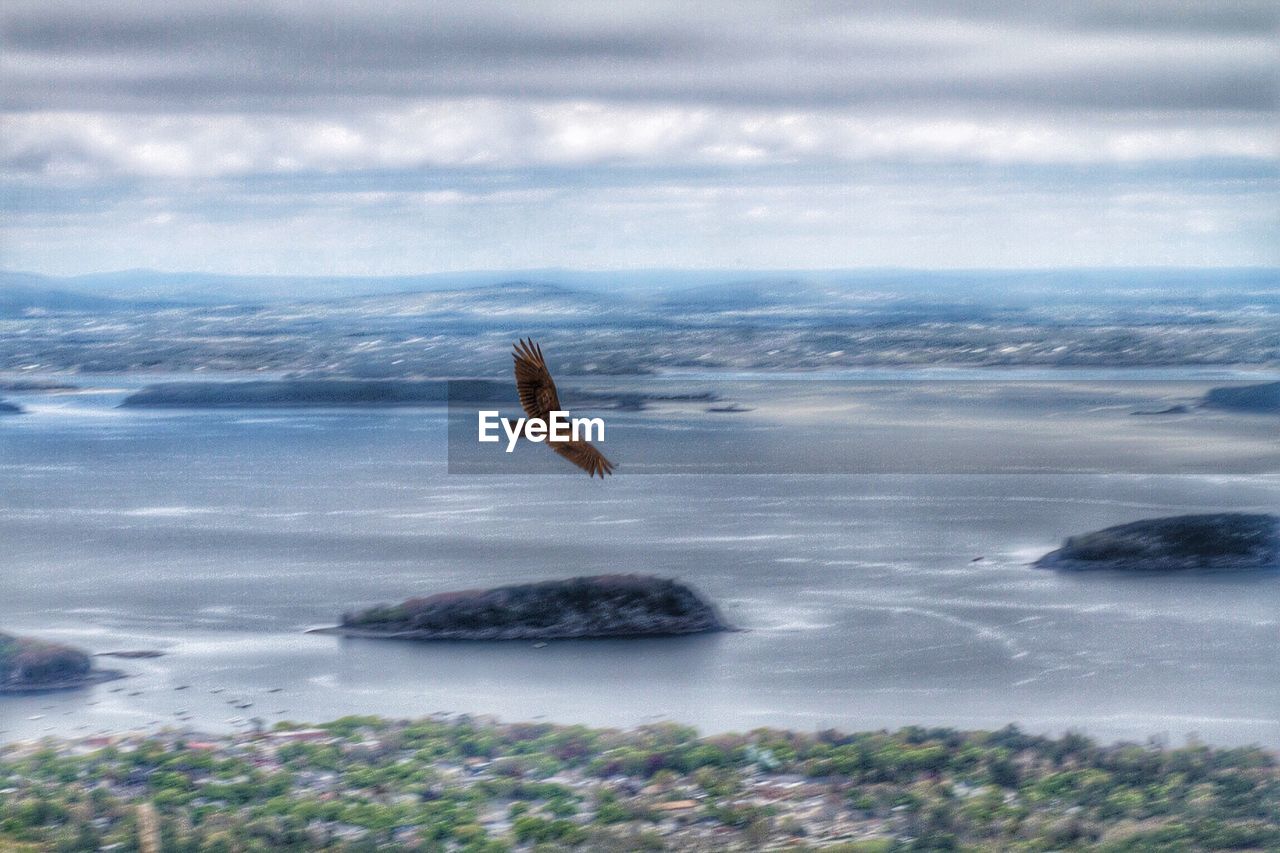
28 665
475 785
1218 541
582 607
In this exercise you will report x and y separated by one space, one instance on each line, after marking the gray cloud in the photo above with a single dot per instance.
1154 55
497 134
328 135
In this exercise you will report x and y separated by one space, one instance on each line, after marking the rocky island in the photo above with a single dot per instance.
1219 541
288 393
35 385
1262 398
582 607
334 392
29 666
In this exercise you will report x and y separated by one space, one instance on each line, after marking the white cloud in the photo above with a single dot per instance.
404 136
938 219
496 134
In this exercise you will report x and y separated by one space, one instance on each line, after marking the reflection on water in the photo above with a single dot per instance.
220 536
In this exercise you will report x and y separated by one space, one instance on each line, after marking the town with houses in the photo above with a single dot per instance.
464 783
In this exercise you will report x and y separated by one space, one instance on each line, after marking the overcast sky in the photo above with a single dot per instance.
361 138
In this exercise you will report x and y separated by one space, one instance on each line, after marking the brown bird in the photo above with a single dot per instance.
538 399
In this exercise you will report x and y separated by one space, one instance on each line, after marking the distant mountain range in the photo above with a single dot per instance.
668 289
217 289
633 322
507 301
24 292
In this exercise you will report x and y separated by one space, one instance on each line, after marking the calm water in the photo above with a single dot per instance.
837 522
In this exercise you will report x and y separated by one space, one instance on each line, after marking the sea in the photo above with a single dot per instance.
870 535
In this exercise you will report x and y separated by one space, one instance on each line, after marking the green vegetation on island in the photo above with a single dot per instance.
1224 541
598 606
31 665
476 786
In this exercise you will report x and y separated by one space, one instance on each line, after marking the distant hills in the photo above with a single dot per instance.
670 288
22 293
505 301
462 324
217 289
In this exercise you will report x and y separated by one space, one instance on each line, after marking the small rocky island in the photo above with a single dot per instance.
1220 541
289 393
1255 399
29 666
36 385
582 607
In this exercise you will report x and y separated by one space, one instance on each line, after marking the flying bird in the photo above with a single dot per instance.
538 399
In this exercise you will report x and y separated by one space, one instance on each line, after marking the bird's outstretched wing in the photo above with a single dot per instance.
538 399
533 381
585 456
